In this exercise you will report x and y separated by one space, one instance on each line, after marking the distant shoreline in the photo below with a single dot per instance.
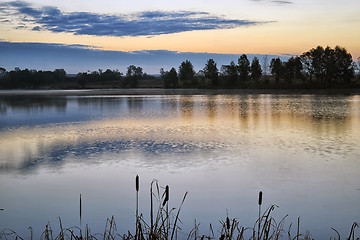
163 91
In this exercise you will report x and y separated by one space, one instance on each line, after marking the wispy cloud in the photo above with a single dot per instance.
138 24
281 2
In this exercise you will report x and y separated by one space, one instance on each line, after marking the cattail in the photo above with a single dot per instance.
137 183
227 223
80 209
166 195
137 206
260 202
260 197
80 217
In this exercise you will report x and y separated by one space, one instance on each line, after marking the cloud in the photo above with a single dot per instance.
80 58
37 28
140 24
282 2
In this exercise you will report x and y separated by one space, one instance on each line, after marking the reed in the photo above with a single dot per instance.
80 216
137 205
164 225
259 203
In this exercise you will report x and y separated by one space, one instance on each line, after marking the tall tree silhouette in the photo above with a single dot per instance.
230 74
255 70
292 69
276 67
244 68
187 74
345 68
211 72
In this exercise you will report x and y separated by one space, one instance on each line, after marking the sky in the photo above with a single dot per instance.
111 30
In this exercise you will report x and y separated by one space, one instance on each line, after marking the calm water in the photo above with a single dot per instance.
302 151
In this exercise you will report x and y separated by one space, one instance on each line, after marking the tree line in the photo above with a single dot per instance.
317 68
32 79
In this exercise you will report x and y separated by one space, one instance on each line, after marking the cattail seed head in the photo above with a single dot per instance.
137 183
227 223
260 197
166 195
167 192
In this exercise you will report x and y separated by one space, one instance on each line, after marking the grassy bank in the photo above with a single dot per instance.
165 224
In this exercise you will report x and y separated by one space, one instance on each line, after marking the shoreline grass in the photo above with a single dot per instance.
164 225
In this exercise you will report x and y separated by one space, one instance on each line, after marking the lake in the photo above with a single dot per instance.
301 150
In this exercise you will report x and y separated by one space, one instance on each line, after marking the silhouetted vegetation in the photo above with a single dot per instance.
256 71
243 69
165 224
329 67
318 68
211 72
170 78
187 75
229 75
86 79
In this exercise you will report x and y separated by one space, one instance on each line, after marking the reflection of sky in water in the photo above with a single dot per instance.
302 151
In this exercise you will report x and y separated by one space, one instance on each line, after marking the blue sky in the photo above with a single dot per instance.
77 58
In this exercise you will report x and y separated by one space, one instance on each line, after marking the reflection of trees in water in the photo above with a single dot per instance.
330 109
243 106
135 104
313 108
32 103
169 103
115 104
3 108
255 107
187 106
310 114
211 106
101 103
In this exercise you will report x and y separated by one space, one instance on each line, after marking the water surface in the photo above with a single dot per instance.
301 150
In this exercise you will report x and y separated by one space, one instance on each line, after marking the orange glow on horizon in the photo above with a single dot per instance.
274 39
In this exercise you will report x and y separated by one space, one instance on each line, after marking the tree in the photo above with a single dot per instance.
292 69
276 67
170 78
345 68
60 75
211 72
244 68
313 61
187 74
4 80
2 72
133 74
255 70
329 65
230 73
